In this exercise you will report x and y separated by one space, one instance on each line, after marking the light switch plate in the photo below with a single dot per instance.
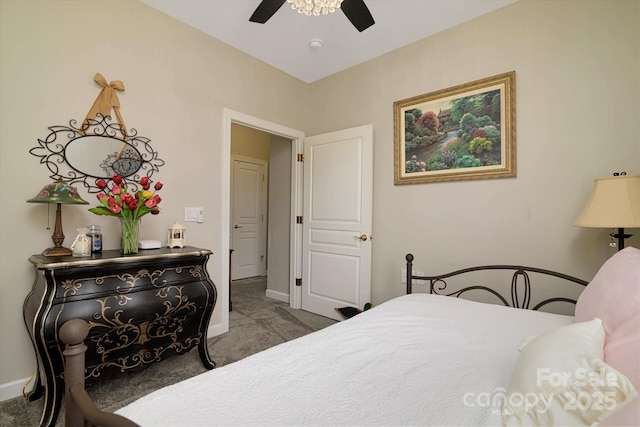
193 214
414 281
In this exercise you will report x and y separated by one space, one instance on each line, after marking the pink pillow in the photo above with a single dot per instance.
614 296
622 351
614 293
628 415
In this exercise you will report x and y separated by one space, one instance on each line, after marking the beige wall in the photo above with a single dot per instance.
577 69
247 142
577 65
178 80
279 235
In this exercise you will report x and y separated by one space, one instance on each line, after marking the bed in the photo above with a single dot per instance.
431 358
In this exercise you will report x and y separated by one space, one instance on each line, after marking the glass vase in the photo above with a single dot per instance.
129 239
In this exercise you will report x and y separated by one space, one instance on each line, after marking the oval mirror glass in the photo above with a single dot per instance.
102 156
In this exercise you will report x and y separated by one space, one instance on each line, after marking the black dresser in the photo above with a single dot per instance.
140 308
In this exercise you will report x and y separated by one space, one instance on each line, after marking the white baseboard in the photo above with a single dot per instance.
13 389
280 296
215 330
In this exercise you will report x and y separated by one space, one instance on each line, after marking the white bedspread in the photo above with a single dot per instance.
415 360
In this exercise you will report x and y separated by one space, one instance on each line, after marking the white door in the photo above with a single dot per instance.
248 218
337 221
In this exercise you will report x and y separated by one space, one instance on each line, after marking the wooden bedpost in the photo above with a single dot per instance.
79 409
73 334
409 259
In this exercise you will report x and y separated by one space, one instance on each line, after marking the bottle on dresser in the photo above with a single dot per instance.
96 238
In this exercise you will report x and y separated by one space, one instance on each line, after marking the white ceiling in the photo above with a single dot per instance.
283 41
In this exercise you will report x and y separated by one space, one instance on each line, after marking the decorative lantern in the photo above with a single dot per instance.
176 236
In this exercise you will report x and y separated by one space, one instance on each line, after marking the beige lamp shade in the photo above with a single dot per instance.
614 203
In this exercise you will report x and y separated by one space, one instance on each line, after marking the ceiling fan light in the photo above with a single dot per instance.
315 7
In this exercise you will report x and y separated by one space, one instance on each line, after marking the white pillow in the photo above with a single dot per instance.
561 379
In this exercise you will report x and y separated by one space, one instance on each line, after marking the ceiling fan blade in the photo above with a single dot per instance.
265 10
358 13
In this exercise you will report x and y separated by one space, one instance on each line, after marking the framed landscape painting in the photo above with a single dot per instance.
463 132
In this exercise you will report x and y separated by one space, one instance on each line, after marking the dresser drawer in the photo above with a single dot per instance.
140 309
93 283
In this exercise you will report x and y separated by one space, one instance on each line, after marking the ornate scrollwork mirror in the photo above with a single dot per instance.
96 150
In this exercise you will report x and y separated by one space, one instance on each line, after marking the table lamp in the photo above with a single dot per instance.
614 203
59 193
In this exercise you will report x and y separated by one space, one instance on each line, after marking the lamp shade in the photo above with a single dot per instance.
614 203
58 192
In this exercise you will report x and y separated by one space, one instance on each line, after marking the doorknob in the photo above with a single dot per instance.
362 237
237 226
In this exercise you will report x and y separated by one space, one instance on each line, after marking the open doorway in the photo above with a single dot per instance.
249 201
296 139
353 146
260 208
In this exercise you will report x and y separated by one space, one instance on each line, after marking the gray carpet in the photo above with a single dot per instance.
255 324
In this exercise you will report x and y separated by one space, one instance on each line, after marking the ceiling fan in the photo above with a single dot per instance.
355 10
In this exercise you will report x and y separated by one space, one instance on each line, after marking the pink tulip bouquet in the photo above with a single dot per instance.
116 200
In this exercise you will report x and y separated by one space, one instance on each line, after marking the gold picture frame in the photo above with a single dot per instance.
464 132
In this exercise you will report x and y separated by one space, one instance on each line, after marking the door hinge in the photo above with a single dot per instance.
300 157
299 220
298 282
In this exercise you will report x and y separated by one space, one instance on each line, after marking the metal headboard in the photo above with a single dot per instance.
520 284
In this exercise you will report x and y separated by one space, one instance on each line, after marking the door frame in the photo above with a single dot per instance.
297 140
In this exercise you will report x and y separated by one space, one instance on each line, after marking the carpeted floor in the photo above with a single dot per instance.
255 324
